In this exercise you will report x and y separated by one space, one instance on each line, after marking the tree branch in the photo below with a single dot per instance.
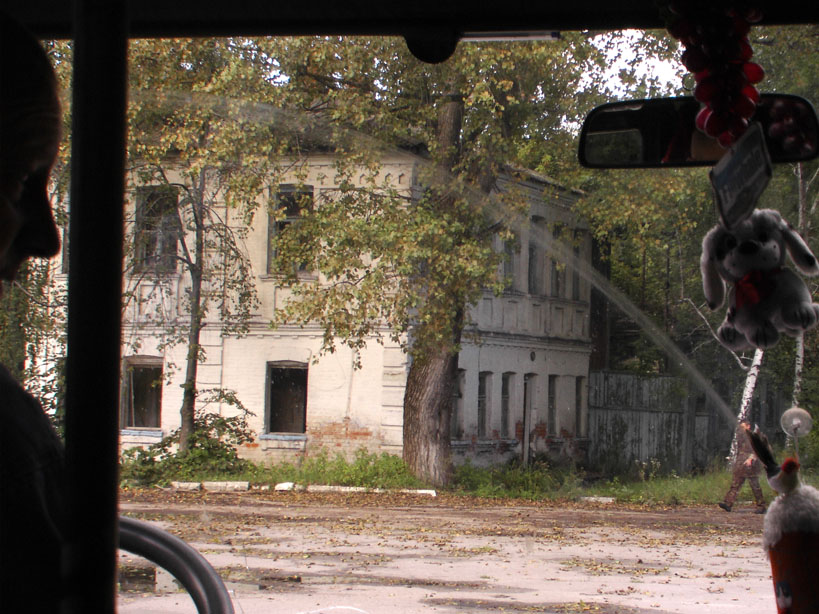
698 311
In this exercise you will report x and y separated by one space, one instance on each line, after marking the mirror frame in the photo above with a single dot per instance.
639 105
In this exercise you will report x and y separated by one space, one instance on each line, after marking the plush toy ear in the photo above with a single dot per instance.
799 251
712 285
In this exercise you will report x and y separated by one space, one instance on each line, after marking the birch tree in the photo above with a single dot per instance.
192 145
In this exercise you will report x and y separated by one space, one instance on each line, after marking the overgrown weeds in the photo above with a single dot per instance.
366 469
213 456
212 452
541 480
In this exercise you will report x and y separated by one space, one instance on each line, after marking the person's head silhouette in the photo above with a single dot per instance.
29 139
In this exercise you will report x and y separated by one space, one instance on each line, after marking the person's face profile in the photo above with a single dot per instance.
30 140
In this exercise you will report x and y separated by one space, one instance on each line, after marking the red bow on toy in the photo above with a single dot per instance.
754 287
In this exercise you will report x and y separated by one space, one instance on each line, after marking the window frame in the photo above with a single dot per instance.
157 255
484 403
551 406
287 196
127 397
301 420
507 382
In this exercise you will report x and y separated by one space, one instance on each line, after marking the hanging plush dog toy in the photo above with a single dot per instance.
766 298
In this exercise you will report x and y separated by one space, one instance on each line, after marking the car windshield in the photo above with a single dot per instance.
337 251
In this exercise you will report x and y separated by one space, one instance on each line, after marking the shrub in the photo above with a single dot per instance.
212 452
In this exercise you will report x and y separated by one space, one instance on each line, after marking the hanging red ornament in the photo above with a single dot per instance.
717 51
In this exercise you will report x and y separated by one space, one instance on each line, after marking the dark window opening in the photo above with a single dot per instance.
575 272
483 404
551 419
289 200
557 280
286 409
579 386
506 384
456 424
557 269
141 405
156 230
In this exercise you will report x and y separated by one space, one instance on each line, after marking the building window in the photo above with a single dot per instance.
528 394
556 279
156 229
506 384
483 402
575 272
289 201
535 271
557 270
456 428
141 405
509 255
286 398
551 418
579 386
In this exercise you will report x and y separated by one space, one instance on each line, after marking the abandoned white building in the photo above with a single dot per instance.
523 368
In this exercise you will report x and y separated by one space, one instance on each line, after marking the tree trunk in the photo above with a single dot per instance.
428 396
747 396
798 365
450 120
802 227
427 412
187 411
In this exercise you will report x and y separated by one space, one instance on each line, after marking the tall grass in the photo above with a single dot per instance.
645 484
539 481
366 469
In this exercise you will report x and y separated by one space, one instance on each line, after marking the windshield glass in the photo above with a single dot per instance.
333 248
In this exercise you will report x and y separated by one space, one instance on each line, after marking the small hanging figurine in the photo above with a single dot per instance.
765 297
791 528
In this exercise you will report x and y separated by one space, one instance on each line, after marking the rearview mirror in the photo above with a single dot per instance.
661 132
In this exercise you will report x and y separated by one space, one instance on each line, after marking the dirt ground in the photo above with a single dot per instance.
299 553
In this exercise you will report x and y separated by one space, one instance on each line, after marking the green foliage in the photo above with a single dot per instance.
368 470
416 260
539 481
213 457
706 489
645 484
212 452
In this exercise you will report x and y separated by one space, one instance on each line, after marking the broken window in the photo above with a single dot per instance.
535 282
456 427
509 264
483 402
551 419
289 201
286 399
156 229
141 405
578 237
557 269
506 385
579 387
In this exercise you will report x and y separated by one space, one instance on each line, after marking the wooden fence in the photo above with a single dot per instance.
649 419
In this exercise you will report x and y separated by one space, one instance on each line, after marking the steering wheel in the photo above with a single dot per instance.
182 561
